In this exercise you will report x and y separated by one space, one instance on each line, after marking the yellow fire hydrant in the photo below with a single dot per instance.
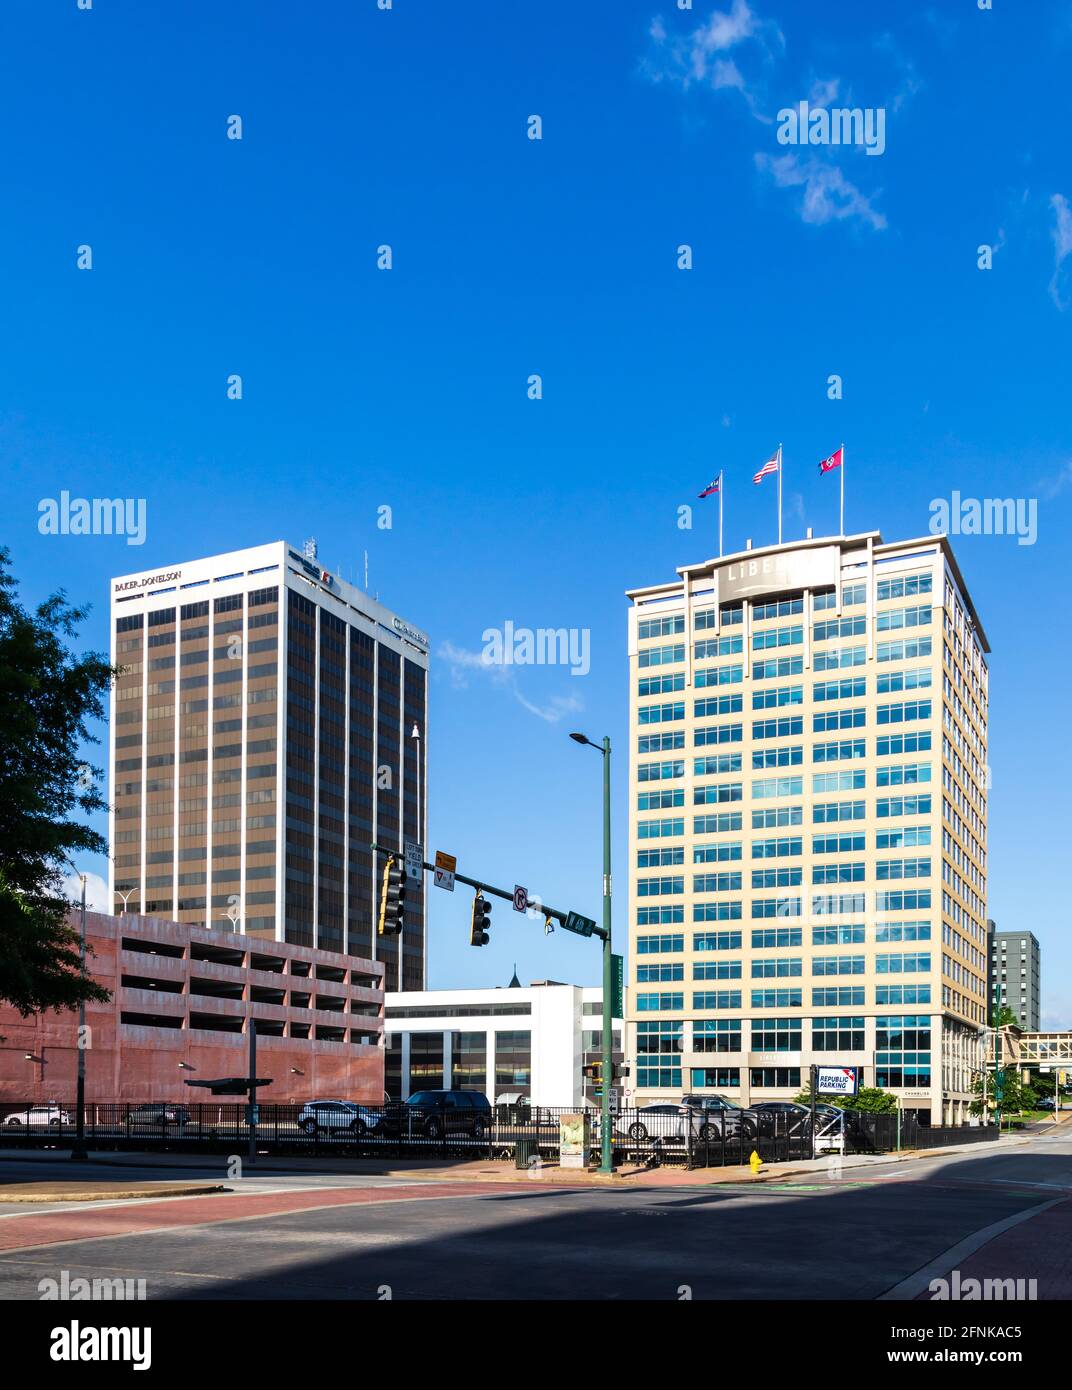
755 1163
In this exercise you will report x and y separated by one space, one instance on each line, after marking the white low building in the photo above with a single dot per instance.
517 1041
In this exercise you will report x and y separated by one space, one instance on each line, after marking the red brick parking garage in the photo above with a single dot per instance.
182 998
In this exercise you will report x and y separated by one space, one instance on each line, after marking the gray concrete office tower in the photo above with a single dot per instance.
1015 970
262 735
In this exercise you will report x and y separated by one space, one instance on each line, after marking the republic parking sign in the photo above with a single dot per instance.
836 1081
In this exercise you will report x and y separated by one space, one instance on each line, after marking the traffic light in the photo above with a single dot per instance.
478 934
392 898
593 1071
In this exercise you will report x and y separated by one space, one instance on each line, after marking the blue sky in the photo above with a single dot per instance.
557 257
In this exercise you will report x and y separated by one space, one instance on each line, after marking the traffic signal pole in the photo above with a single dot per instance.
568 920
483 886
606 1163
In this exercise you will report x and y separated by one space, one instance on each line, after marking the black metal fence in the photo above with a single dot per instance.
520 1132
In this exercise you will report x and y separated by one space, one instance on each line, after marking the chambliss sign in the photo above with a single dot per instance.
768 574
836 1081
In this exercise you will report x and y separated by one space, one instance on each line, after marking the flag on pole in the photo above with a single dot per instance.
834 461
716 486
771 466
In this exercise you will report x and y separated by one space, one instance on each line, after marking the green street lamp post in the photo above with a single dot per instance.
606 1164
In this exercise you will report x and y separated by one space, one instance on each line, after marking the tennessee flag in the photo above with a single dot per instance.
834 461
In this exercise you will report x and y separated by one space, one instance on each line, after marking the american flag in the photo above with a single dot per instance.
771 466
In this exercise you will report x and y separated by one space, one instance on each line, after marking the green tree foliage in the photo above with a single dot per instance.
1003 1090
871 1099
48 695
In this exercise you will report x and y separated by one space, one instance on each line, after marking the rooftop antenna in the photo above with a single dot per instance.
309 548
366 571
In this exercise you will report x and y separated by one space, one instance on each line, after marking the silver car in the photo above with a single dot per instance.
336 1116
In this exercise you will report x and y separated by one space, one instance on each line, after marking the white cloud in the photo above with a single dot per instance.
726 73
557 708
702 55
910 81
1054 486
1062 247
462 663
96 892
737 50
828 195
824 92
724 31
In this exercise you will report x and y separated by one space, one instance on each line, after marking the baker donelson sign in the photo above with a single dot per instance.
769 574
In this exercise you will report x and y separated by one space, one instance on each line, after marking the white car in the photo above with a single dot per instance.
38 1117
334 1115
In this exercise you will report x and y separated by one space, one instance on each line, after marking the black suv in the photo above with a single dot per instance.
438 1113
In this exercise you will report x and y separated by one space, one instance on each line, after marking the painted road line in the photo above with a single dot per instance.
919 1282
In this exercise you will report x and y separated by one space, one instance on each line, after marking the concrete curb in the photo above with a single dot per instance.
98 1194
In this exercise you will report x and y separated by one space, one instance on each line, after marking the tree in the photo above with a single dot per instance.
48 695
1002 1090
1002 1017
871 1099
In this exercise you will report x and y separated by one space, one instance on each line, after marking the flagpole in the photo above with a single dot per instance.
721 486
779 494
843 489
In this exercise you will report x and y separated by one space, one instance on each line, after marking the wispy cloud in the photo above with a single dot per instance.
462 664
738 50
828 195
1057 483
910 80
824 92
1062 247
701 56
96 892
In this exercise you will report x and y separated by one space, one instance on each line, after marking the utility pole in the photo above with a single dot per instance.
252 1126
78 1148
606 1165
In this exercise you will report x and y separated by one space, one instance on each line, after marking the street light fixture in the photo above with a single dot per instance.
126 898
606 1164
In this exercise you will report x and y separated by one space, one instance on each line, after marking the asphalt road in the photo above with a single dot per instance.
309 1237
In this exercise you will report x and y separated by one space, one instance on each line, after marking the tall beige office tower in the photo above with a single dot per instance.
808 805
269 724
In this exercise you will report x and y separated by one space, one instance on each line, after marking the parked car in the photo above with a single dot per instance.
789 1117
158 1116
435 1114
38 1117
650 1121
711 1117
335 1115
1045 1103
